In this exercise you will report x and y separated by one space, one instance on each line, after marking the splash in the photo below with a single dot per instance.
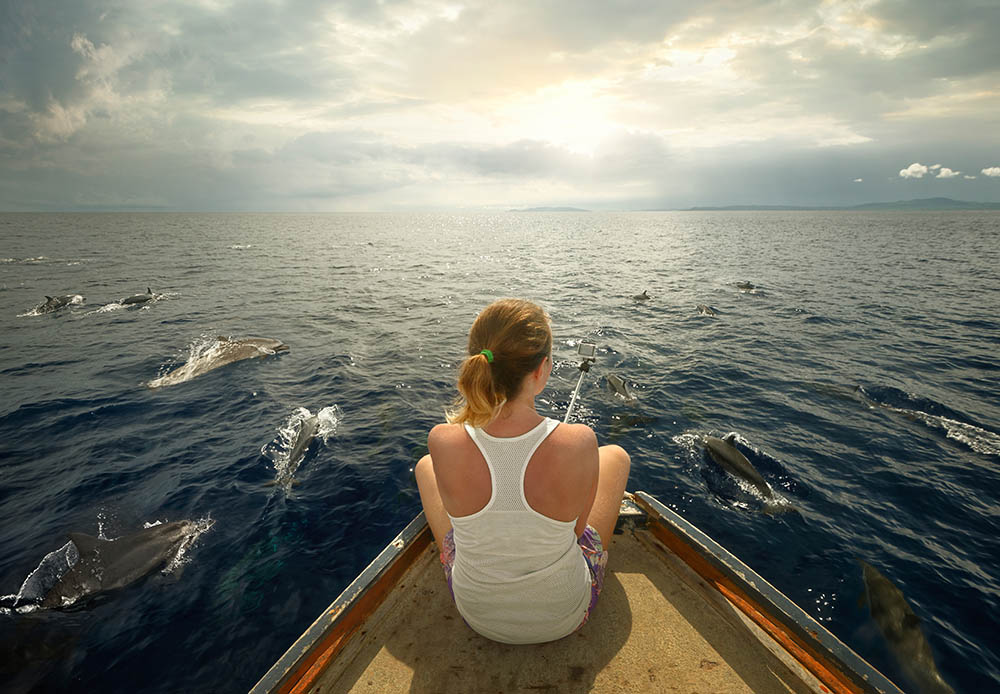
287 451
107 308
977 438
201 348
48 572
198 528
38 310
120 304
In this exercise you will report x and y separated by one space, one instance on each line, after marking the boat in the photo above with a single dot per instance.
678 613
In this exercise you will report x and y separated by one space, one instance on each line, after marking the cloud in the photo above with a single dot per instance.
992 171
915 170
318 105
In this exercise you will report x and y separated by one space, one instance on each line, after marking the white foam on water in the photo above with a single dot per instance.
75 300
198 528
107 308
688 441
201 348
278 451
329 419
979 440
50 569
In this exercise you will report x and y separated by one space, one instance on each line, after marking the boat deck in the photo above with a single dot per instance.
656 628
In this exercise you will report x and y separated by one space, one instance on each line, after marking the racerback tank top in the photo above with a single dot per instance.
518 576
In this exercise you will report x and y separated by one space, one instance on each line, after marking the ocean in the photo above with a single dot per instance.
861 376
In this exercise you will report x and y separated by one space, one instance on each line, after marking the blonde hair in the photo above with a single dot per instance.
517 333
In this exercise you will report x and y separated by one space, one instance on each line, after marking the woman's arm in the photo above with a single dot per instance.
590 464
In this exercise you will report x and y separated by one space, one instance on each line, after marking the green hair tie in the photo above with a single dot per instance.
489 355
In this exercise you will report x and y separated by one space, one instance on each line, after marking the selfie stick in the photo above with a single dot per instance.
587 349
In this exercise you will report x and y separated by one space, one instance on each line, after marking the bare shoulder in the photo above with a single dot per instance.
446 434
576 437
575 446
449 444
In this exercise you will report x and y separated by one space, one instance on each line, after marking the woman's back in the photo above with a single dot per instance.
518 575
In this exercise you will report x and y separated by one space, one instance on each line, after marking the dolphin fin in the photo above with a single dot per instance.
85 544
222 338
48 298
149 290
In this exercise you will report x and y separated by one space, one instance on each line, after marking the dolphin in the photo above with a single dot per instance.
901 629
303 439
140 298
618 386
298 447
224 351
745 286
54 303
105 565
730 459
641 297
706 310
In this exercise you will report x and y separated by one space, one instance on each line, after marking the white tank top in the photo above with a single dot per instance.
519 576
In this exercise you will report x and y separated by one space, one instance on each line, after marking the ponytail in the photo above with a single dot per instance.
508 340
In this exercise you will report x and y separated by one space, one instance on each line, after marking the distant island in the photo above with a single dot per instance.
918 204
551 209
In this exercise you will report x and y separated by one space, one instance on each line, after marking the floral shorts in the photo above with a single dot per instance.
593 553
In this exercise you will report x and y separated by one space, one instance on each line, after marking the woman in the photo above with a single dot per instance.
520 504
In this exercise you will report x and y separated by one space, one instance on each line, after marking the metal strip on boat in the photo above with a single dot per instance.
828 658
313 651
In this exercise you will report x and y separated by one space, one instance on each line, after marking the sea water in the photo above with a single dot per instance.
861 376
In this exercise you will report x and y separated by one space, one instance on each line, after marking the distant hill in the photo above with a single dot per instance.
551 209
929 204
918 204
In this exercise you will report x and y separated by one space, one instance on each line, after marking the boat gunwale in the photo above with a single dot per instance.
760 600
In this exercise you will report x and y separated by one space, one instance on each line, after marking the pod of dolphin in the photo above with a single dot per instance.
54 303
86 565
102 565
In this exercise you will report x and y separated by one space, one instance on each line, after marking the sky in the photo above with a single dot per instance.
313 105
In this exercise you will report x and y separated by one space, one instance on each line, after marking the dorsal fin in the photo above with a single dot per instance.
85 544
222 338
48 298
149 290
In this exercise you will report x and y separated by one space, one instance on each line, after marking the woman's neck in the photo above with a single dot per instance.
516 417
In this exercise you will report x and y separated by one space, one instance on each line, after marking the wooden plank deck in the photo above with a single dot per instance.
656 628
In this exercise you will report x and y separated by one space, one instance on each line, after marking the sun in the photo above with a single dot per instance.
573 115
